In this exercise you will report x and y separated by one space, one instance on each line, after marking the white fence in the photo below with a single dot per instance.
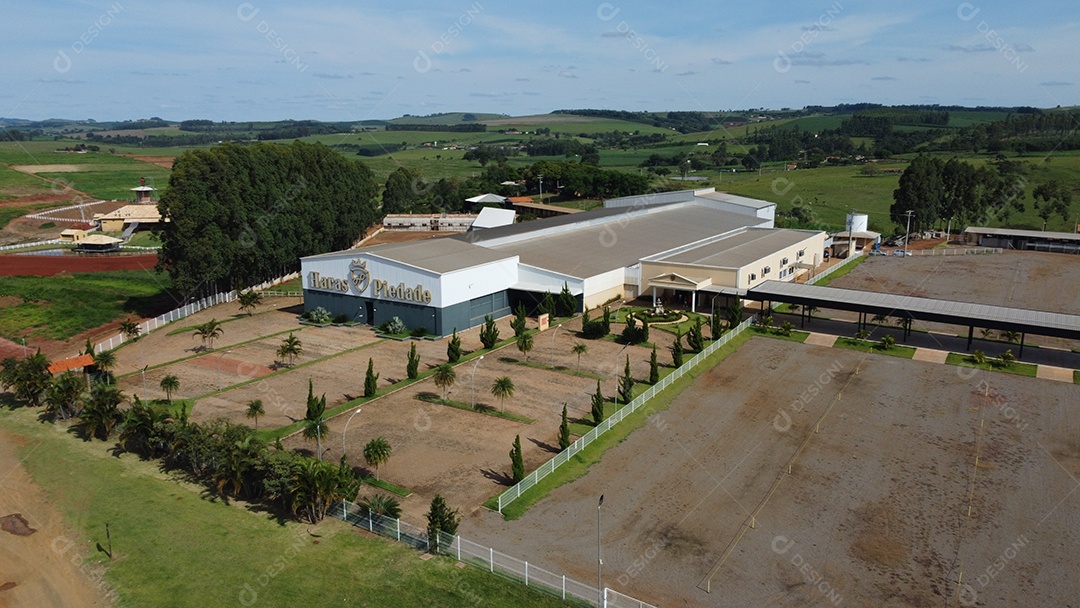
185 311
549 467
34 244
957 251
489 559
48 215
849 260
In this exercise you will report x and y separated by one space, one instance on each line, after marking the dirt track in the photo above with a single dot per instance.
47 266
40 565
875 508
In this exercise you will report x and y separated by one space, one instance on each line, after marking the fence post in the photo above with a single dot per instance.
491 559
370 527
459 547
564 586
526 574
398 530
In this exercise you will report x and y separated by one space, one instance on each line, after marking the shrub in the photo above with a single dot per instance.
419 332
633 333
319 315
341 318
396 326
489 333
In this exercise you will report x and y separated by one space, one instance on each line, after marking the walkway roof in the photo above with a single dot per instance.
924 309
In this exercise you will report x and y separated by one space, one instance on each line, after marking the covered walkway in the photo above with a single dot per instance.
921 309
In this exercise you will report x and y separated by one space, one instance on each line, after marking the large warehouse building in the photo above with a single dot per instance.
689 247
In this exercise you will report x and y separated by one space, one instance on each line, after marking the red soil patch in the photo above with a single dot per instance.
161 161
47 266
233 366
16 524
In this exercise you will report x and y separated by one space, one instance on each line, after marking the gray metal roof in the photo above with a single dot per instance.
1030 234
441 255
926 309
625 238
740 249
735 199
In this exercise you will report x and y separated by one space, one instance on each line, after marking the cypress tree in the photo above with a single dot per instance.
370 379
677 351
564 431
453 348
598 405
413 367
626 383
518 324
654 368
517 463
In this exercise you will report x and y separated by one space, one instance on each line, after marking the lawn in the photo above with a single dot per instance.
16 183
115 182
993 365
54 308
870 346
173 547
776 333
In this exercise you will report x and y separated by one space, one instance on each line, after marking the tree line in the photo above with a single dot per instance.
239 215
935 190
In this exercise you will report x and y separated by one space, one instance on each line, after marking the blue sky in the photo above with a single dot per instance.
347 60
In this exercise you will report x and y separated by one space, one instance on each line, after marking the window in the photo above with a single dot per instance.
753 277
801 253
783 262
765 271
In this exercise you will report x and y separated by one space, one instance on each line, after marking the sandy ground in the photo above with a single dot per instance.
42 569
874 512
462 455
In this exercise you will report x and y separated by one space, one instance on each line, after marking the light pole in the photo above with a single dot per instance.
599 557
907 236
219 368
24 347
541 178
346 431
472 379
553 345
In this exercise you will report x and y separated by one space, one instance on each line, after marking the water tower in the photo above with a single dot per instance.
143 192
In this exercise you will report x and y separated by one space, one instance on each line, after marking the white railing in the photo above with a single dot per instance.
185 311
831 269
34 244
957 251
549 467
48 215
489 559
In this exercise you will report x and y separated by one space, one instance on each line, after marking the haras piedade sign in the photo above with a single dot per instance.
358 281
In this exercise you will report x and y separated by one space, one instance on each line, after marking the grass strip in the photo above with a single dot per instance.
579 465
993 365
868 346
389 487
776 333
487 411
229 554
839 273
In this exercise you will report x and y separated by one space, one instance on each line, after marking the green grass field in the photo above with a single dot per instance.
869 346
174 547
58 308
114 183
14 184
993 365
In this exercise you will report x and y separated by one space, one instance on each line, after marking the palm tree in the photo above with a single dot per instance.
249 300
525 344
137 428
105 361
905 324
444 376
887 342
502 388
1011 336
579 349
208 332
170 384
315 429
102 412
1007 358
63 397
239 459
880 319
377 452
290 348
130 329
380 504
979 357
313 487
254 410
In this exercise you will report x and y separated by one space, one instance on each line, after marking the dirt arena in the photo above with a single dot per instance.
874 512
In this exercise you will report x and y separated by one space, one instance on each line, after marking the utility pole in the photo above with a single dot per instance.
850 235
541 178
907 235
